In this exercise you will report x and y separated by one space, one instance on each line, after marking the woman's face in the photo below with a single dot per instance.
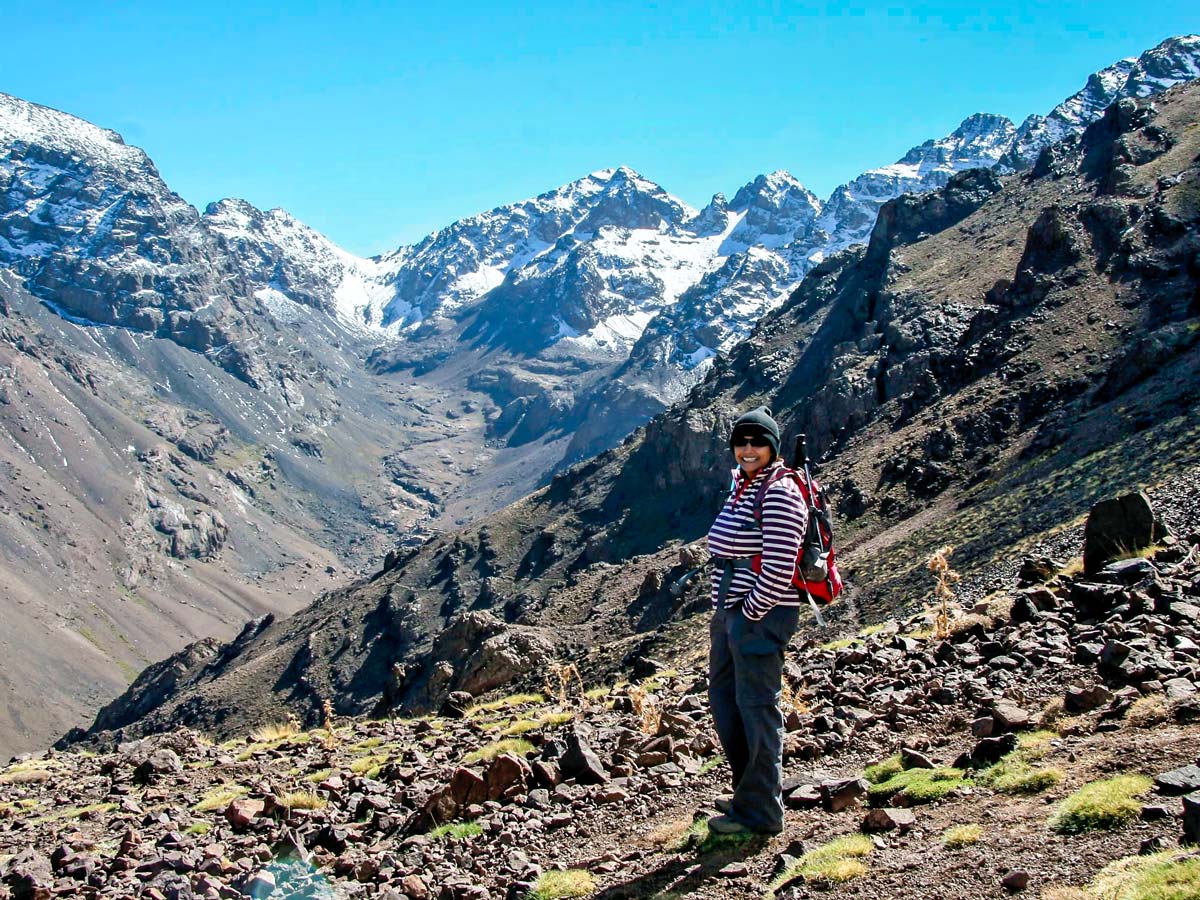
752 453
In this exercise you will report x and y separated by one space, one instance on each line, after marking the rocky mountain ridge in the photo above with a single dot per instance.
1001 354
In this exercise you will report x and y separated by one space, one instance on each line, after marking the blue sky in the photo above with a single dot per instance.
377 123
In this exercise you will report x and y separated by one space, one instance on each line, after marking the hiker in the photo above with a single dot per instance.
755 612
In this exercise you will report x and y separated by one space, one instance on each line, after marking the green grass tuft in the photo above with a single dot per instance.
837 862
885 770
958 836
515 746
1109 804
199 829
456 831
555 885
1014 775
916 786
1170 875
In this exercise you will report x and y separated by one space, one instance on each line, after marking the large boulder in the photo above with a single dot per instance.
1119 526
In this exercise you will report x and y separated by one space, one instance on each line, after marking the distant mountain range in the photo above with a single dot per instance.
216 400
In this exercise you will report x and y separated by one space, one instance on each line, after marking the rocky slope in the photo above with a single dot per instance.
1000 356
1045 686
206 405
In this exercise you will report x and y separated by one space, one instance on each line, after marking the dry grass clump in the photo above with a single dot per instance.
275 731
510 702
221 797
1170 875
671 835
76 812
31 771
369 765
555 885
1052 713
1151 710
1109 804
549 720
958 836
837 862
515 746
303 800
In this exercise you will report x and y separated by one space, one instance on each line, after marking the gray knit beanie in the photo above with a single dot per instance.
757 421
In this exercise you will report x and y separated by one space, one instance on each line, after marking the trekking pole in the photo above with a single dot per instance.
801 461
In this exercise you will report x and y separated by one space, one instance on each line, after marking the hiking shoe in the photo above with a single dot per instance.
724 803
727 825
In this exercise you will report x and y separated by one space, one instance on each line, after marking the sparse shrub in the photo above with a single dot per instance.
943 590
958 836
558 681
879 772
1107 804
916 786
646 708
837 862
456 831
1146 711
1170 875
516 746
554 885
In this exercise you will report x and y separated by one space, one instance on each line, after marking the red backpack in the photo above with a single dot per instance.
816 573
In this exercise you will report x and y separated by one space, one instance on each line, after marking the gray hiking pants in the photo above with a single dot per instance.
745 673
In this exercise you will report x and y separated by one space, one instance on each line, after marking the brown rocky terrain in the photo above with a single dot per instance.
1004 353
1061 679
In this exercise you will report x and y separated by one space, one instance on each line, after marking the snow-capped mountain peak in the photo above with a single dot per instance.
22 121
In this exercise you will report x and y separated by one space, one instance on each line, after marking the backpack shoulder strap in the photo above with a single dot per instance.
761 493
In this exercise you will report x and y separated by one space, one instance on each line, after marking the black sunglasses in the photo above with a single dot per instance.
754 440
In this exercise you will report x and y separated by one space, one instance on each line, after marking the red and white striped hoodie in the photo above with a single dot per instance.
736 535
